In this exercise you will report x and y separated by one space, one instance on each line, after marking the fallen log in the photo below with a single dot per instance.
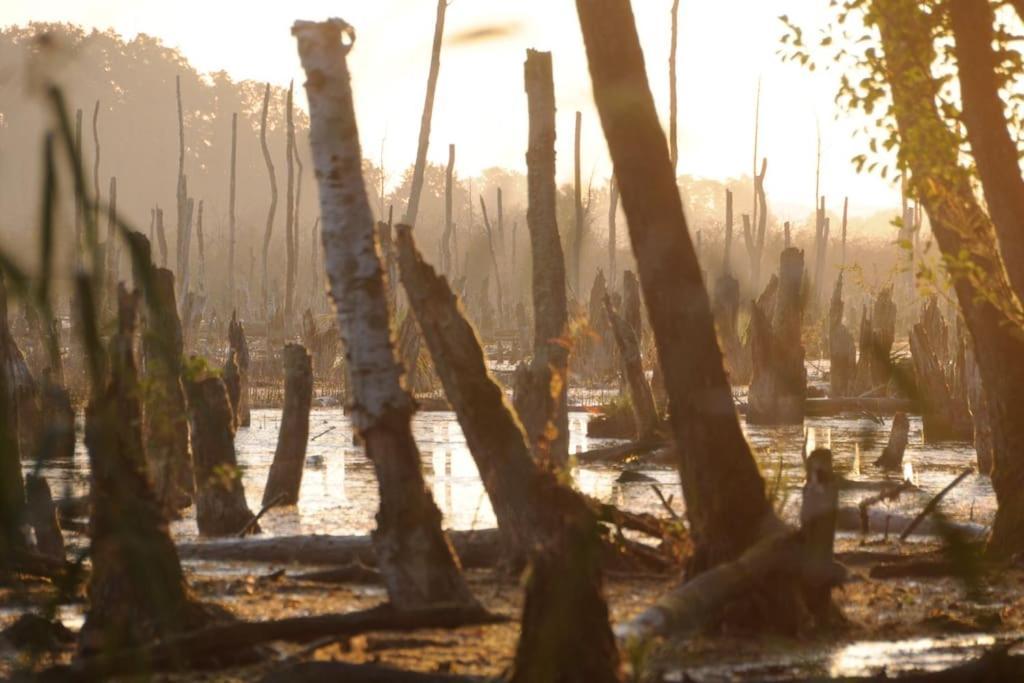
826 407
881 522
314 672
621 452
182 651
933 503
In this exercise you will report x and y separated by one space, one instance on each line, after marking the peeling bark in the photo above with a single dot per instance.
417 563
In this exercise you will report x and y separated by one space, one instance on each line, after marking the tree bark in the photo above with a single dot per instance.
565 632
290 457
12 484
842 348
231 211
546 397
993 148
268 233
289 213
978 404
233 384
940 414
418 564
673 108
446 238
136 591
577 241
930 150
418 171
613 240
221 509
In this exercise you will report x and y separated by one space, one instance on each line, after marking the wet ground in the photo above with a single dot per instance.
890 627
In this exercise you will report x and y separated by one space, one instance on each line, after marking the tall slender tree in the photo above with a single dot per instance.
268 233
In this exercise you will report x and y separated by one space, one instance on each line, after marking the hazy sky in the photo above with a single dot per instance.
725 46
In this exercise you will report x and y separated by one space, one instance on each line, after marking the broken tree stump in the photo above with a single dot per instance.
892 456
841 345
233 383
136 591
290 457
778 386
237 340
220 499
942 416
42 516
645 413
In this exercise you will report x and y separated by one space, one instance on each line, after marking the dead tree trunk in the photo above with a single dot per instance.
161 236
645 413
978 405
494 260
778 386
446 238
12 485
42 515
613 240
541 393
842 348
726 306
221 509
940 414
877 335
137 591
416 561
231 211
290 457
673 138
238 343
961 229
233 384
577 240
268 233
892 456
753 236
416 186
166 421
565 632
631 305
725 499
289 212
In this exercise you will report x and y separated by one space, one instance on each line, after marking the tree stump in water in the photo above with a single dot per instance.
892 456
137 591
726 308
877 335
237 340
42 515
166 421
778 387
819 509
645 414
842 347
942 416
290 457
221 509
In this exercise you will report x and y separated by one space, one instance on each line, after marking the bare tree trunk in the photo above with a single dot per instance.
161 235
673 107
644 411
96 164
79 244
725 499
137 591
202 247
289 212
613 209
42 515
221 509
238 343
577 248
962 229
12 484
940 416
416 186
290 457
296 222
993 148
231 212
842 348
753 237
494 260
446 238
536 405
268 233
978 404
416 561
565 632
892 456
233 383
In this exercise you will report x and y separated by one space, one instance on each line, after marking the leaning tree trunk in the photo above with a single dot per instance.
221 509
419 169
962 230
290 457
724 491
417 563
565 632
645 414
541 397
136 591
